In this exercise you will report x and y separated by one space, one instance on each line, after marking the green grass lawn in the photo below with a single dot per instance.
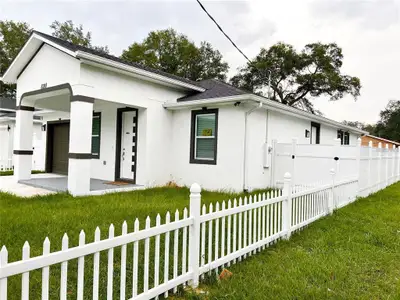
9 173
354 254
32 219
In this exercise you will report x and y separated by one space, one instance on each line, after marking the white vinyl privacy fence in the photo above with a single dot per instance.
373 167
6 162
166 254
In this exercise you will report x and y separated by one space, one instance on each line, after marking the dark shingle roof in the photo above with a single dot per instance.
7 103
73 47
214 89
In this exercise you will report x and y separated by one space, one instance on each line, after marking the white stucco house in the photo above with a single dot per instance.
120 121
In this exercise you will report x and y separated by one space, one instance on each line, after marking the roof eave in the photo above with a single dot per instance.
206 102
295 111
383 139
140 72
11 74
269 104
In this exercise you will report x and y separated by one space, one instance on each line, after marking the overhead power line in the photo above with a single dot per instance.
233 43
219 27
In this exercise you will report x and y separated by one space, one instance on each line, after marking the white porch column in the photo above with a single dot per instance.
80 145
23 150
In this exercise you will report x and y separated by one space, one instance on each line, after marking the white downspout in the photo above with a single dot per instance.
245 164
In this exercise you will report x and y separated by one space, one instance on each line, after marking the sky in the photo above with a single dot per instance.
368 31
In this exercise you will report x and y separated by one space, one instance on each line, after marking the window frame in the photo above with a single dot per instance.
193 137
342 135
96 115
318 127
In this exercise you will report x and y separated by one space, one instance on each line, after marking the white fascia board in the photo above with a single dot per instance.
301 113
5 119
267 104
7 109
207 102
6 76
10 76
55 45
123 67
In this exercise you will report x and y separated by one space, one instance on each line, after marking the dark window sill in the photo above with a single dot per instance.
203 162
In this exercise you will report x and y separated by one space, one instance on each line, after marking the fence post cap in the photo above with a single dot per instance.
332 171
287 176
195 188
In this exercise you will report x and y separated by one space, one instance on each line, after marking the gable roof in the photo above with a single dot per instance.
214 89
75 50
382 139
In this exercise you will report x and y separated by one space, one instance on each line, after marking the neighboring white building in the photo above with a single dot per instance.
7 129
122 121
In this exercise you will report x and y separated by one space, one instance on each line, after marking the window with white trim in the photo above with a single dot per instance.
203 148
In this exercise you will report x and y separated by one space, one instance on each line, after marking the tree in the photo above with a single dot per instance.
388 126
75 34
13 36
371 128
174 53
356 124
298 77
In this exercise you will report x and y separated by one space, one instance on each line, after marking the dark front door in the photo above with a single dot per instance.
60 148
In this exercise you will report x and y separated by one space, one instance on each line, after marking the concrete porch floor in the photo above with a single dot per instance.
43 184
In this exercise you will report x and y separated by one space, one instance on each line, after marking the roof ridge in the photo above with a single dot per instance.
75 47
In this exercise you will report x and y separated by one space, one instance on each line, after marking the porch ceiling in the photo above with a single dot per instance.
53 98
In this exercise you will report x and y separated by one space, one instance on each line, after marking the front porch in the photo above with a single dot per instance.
93 144
47 183
59 183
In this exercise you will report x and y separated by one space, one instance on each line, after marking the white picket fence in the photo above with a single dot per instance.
203 242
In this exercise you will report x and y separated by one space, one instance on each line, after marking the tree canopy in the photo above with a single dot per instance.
75 34
12 37
361 125
298 77
388 126
174 53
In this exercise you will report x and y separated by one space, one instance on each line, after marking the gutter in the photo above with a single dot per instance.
269 104
131 69
245 163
